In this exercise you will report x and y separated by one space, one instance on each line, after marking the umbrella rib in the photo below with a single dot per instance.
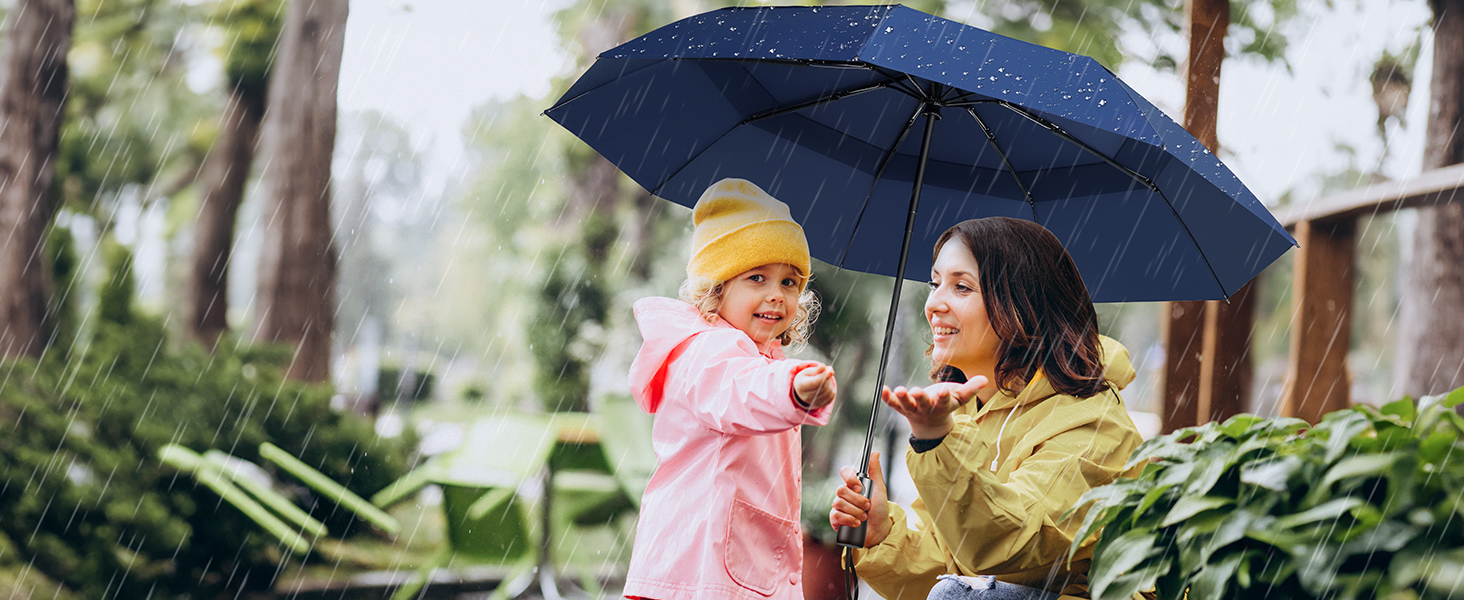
991 137
839 95
883 163
565 101
1050 126
835 96
913 90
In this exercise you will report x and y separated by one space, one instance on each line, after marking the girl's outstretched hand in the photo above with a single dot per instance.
851 508
815 386
929 408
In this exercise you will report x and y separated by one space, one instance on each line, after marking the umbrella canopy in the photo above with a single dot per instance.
817 106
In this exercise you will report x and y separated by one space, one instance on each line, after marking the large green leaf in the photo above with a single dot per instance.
1117 557
1387 537
1403 408
1189 506
1211 580
1272 474
1371 465
1166 492
1342 426
1438 445
1214 461
1241 424
1170 447
1331 509
1201 537
1126 585
1455 398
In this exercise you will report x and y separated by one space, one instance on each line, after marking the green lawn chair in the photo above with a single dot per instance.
625 436
487 521
233 479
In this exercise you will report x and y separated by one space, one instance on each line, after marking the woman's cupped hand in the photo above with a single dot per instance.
929 409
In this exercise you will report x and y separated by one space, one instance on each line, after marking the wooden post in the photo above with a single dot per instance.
1185 322
1183 330
1225 369
1317 381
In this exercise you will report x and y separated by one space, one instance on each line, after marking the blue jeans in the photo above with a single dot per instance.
956 587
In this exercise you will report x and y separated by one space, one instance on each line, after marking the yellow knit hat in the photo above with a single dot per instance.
739 227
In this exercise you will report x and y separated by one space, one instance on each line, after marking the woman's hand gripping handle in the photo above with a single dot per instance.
861 513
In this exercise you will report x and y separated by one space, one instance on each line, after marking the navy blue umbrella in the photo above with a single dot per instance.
862 118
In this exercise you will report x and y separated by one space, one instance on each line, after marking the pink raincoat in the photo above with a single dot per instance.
719 518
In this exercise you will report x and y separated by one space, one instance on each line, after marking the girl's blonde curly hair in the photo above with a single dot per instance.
705 294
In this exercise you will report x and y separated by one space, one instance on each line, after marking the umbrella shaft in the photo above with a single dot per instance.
931 116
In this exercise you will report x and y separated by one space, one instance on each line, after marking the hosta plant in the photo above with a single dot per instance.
1368 503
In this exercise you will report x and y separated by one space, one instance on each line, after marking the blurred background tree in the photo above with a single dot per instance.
251 30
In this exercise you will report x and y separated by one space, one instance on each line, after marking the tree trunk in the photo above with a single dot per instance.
1186 335
1431 335
296 298
33 86
225 173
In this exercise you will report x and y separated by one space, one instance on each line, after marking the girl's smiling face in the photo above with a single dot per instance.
963 336
762 301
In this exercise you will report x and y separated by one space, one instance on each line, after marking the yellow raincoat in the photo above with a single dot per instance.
993 492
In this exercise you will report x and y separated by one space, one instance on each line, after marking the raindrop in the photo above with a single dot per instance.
1102 102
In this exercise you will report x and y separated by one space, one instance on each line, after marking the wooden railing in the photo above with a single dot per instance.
1317 381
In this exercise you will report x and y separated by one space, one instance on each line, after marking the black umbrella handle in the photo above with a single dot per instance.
853 537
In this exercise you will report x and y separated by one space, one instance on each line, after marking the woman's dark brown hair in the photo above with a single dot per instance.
1037 304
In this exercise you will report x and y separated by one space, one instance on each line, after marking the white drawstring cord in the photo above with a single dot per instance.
1008 419
999 433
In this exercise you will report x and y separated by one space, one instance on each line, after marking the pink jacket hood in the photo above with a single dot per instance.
667 326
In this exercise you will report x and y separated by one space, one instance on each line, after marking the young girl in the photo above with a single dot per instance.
719 518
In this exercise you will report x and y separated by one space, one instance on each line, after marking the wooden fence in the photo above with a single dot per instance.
1201 363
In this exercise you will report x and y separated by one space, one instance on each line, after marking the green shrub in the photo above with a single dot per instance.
1366 504
88 504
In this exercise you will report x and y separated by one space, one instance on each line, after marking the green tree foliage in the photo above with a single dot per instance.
567 332
65 277
89 505
1094 27
1363 505
251 31
114 303
131 122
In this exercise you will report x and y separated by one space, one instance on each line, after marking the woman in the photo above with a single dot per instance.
1024 418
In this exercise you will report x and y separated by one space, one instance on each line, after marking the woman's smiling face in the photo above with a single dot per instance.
762 301
962 333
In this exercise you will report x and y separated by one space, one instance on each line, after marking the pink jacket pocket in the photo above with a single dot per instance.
762 548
